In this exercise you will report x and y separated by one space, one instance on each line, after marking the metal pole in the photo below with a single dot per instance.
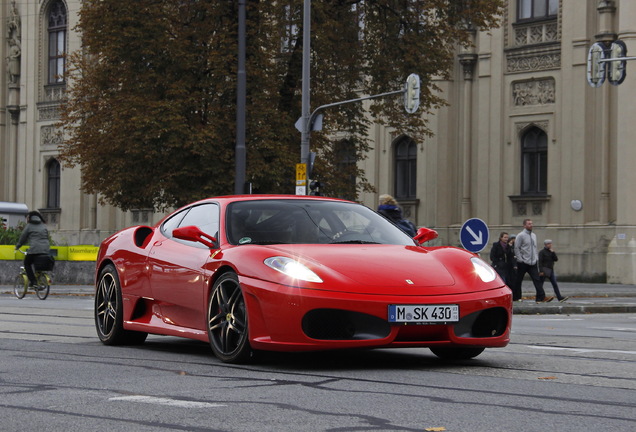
239 181
304 140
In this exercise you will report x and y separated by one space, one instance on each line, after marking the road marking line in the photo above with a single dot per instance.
166 401
582 350
620 329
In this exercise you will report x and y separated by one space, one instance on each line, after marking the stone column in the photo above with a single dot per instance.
621 257
13 62
468 60
607 34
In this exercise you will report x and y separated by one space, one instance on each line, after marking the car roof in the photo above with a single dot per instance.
255 197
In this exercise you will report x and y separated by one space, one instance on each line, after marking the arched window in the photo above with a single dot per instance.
405 169
57 23
534 162
53 174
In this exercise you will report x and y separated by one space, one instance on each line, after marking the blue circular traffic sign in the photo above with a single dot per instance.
474 235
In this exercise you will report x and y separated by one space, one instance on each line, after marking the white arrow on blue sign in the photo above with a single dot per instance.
474 235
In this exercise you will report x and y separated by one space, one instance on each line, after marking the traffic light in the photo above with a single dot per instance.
315 186
596 70
412 93
617 70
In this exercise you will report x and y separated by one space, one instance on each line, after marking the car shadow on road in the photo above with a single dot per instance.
333 360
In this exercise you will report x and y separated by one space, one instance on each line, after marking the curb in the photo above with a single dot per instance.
573 309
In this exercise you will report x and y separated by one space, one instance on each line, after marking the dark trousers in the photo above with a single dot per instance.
555 286
501 271
511 281
29 260
533 271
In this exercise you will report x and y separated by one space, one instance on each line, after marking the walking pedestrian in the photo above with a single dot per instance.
547 258
527 262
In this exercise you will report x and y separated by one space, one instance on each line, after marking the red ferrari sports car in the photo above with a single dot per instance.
295 273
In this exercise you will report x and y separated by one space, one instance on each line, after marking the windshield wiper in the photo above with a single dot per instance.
354 242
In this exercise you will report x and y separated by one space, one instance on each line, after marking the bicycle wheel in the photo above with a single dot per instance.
43 285
20 286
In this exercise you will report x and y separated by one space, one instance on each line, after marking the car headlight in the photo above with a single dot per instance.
292 268
485 272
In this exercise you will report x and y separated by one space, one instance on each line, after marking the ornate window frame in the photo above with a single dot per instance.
530 203
531 45
49 94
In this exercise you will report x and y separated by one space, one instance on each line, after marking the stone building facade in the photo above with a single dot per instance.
36 36
523 136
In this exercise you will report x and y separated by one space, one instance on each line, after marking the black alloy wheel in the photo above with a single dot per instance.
227 321
109 311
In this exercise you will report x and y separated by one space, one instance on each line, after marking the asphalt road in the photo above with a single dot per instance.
565 373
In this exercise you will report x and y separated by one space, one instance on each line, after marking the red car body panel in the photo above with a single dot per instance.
166 286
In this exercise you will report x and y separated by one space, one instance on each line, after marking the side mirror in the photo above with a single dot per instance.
193 233
425 234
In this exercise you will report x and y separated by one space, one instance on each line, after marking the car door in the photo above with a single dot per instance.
176 267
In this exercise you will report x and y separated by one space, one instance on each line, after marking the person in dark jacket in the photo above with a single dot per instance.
36 235
389 209
547 258
500 256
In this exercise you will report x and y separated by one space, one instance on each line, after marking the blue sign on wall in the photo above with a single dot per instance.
474 235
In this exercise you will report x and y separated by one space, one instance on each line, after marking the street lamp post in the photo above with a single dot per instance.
304 140
240 151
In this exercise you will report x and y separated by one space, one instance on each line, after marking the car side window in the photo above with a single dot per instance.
172 223
205 217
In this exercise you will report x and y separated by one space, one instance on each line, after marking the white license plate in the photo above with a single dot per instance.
423 313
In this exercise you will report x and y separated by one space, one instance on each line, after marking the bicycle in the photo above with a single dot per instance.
42 286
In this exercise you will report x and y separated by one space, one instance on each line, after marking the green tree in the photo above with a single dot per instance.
150 114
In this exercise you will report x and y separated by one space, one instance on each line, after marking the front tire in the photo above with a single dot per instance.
109 311
43 286
462 353
227 321
20 286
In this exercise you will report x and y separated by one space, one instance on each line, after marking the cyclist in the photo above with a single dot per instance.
37 236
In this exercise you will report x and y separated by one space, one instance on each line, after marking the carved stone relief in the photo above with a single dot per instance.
48 112
535 92
533 62
50 136
528 208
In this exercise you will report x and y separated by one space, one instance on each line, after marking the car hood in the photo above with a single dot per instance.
389 269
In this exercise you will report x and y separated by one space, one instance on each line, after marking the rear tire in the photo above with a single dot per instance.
20 286
461 353
109 311
43 286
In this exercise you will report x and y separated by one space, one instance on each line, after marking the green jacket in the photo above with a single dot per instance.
36 235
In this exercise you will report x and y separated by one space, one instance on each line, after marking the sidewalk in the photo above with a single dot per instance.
585 298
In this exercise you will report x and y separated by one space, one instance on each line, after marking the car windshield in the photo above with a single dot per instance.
309 222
